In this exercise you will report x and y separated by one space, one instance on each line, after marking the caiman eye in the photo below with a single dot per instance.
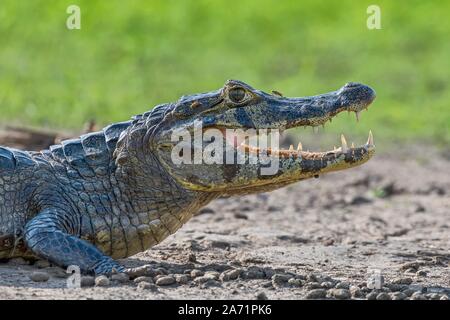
237 94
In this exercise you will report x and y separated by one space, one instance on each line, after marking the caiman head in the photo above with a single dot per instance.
203 124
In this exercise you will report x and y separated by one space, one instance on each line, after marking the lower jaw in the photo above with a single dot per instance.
299 153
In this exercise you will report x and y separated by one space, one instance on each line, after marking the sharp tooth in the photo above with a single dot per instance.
299 147
357 115
291 148
353 145
315 129
334 148
344 144
370 139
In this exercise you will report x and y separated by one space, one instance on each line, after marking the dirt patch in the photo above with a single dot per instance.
380 231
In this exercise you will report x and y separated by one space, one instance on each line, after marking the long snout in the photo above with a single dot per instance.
283 113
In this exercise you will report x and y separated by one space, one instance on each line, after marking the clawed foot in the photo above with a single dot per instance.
108 267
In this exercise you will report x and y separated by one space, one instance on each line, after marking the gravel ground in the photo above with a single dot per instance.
380 231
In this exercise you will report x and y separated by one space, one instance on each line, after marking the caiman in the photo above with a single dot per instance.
111 194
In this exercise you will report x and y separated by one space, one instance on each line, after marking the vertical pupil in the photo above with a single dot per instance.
237 94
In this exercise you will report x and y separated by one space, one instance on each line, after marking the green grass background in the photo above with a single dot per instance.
132 55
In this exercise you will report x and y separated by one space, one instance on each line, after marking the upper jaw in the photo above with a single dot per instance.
317 110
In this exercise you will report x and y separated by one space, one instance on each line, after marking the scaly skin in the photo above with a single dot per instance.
114 193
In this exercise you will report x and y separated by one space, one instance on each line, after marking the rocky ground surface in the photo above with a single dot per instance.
380 231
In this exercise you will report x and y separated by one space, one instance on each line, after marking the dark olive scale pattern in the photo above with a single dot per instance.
73 205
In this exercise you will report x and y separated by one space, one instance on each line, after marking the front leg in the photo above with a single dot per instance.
50 236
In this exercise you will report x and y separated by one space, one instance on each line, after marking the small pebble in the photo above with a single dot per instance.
372 296
444 297
410 265
295 282
143 285
340 293
143 279
398 296
408 292
230 275
165 281
327 285
433 296
313 285
326 278
239 215
406 281
145 270
102 281
192 257
39 276
213 274
87 281
57 272
383 296
261 296
343 285
204 278
181 278
41 264
253 274
410 270
356 292
234 274
161 271
157 277
269 272
211 283
280 278
120 277
418 296
421 273
301 277
312 278
316 294
197 273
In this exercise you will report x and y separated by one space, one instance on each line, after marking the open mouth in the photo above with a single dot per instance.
250 143
298 152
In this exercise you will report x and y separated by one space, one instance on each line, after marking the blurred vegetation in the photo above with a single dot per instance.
131 55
